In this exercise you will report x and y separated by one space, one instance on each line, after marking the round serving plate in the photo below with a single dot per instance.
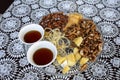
57 70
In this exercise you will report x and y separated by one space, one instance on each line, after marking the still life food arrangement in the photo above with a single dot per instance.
77 39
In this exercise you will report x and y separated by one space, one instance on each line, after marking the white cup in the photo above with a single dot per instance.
38 45
29 28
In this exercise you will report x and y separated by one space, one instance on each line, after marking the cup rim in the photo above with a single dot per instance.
31 25
47 42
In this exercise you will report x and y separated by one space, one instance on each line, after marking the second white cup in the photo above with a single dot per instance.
42 54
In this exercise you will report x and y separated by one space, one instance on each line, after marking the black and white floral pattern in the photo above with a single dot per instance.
21 10
115 62
48 3
118 23
35 6
100 6
111 3
3 40
31 73
10 24
100 70
8 69
96 19
13 60
2 53
16 49
88 10
38 14
110 14
30 1
59 77
117 74
92 1
109 49
23 61
117 40
6 14
26 19
17 2
53 10
79 77
79 2
14 35
67 6
108 29
50 69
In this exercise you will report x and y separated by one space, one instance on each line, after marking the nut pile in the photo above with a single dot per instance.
54 20
92 41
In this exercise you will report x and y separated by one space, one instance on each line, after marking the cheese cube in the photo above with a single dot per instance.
71 59
64 63
75 50
60 59
83 61
65 69
77 56
78 41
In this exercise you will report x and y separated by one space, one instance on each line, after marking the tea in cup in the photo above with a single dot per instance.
31 33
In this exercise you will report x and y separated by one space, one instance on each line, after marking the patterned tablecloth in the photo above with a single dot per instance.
13 62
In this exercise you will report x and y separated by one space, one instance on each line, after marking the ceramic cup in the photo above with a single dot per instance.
37 46
31 27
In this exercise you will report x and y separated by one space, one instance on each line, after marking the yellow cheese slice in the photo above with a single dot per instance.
60 59
65 69
75 50
71 59
64 63
78 41
83 60
77 56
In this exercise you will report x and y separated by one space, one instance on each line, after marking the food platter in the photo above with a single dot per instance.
77 39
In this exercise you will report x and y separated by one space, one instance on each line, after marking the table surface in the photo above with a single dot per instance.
13 61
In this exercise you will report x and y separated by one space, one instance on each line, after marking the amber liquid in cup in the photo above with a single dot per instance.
31 33
42 56
32 36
